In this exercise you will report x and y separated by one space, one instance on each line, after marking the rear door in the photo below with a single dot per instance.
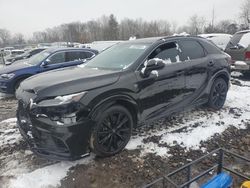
197 66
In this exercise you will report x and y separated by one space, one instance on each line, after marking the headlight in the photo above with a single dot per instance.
61 100
7 76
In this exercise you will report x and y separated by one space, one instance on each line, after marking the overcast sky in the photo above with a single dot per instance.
27 16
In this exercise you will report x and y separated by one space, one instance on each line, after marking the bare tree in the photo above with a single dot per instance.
18 39
245 13
5 37
196 24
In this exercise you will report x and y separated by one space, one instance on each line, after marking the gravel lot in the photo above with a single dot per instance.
153 151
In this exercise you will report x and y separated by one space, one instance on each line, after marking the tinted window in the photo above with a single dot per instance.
87 54
191 50
166 52
57 58
72 56
210 47
77 55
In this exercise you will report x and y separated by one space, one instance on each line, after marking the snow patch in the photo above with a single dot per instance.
46 177
9 133
198 125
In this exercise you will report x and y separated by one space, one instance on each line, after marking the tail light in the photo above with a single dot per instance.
247 56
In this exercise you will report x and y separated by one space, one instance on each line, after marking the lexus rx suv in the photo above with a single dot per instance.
67 113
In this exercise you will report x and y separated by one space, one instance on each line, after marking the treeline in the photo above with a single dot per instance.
108 28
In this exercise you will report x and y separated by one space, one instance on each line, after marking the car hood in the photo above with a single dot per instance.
14 67
68 81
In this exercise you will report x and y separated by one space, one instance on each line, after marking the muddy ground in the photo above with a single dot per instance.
130 168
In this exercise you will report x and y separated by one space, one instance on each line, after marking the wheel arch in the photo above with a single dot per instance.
20 78
122 100
224 76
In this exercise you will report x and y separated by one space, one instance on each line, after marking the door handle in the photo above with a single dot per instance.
211 63
179 73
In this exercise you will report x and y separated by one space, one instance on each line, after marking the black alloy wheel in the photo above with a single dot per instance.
112 132
218 94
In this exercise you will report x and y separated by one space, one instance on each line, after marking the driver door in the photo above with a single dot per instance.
164 88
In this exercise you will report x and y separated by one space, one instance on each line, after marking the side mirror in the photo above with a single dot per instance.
152 64
45 63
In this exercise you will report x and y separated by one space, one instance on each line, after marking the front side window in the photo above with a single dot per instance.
57 58
191 50
38 58
169 53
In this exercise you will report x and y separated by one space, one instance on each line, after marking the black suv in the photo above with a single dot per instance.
64 114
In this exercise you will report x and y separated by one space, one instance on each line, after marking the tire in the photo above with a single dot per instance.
112 131
218 94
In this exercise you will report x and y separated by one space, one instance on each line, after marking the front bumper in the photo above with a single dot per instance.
241 66
48 139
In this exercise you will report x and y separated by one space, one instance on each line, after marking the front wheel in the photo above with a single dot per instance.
218 94
112 131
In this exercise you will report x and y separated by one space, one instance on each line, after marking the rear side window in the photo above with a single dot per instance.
210 47
87 54
77 55
191 50
168 52
72 56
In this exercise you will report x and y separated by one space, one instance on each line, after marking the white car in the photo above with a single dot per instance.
219 39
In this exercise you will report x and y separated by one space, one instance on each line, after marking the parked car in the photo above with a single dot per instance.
219 39
239 49
25 55
11 76
12 54
65 114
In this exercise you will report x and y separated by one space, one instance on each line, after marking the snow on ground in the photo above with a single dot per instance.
48 176
11 135
199 125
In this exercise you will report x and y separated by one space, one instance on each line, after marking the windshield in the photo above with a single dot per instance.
38 58
117 57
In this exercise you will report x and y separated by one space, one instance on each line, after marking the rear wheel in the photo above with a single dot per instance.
112 132
218 94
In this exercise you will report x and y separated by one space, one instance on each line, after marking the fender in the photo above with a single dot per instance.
21 77
114 99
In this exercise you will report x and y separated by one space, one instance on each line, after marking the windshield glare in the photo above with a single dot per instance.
118 57
38 58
